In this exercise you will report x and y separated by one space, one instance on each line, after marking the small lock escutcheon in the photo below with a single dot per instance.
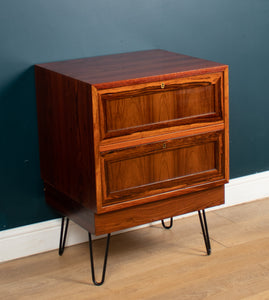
164 145
162 85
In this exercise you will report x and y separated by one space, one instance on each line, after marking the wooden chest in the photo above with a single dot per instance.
132 138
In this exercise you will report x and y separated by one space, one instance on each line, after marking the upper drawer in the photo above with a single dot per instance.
157 105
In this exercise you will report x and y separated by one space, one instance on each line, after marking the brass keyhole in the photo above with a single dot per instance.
164 145
162 85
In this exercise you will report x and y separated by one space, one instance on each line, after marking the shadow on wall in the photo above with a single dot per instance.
21 200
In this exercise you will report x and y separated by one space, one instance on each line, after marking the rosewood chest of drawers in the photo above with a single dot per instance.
132 138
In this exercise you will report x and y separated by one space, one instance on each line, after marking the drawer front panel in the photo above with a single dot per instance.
161 106
162 166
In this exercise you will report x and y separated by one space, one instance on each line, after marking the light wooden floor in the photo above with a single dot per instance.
154 263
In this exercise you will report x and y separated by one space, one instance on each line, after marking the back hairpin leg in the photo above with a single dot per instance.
203 223
63 235
169 226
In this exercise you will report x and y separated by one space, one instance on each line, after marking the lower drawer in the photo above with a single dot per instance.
170 165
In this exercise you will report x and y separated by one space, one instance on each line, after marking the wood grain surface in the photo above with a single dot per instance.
133 68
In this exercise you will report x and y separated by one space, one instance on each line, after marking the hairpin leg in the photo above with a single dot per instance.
169 226
105 260
203 222
63 235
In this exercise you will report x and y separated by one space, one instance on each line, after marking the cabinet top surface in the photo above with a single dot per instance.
133 67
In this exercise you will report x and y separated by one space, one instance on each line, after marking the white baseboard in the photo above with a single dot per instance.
40 237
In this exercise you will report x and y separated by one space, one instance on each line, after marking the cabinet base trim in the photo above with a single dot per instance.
99 224
137 215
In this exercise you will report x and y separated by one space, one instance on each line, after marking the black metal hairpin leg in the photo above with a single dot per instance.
169 226
63 235
203 222
105 260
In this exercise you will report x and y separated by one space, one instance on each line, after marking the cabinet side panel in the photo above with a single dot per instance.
65 135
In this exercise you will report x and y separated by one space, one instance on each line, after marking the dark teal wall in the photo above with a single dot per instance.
34 31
